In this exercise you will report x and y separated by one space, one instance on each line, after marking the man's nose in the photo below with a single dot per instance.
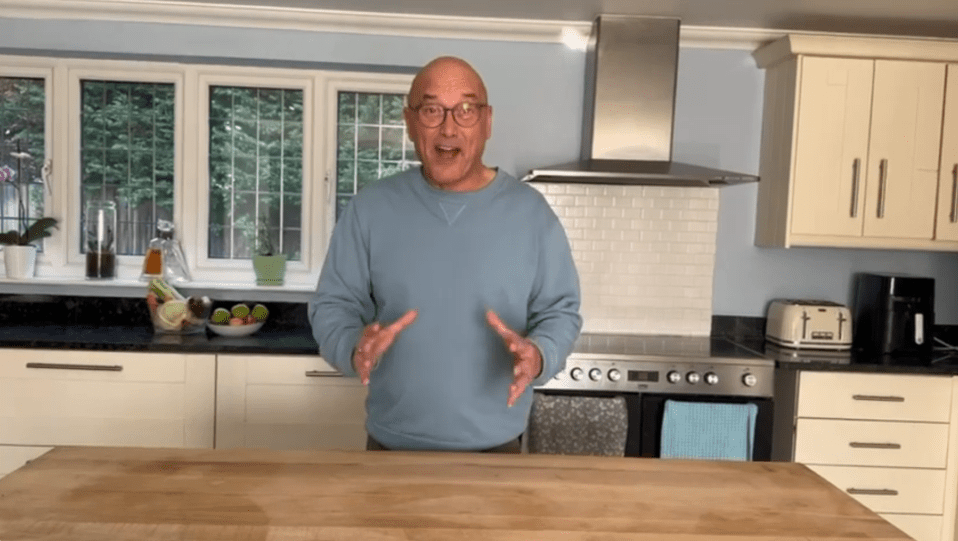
448 126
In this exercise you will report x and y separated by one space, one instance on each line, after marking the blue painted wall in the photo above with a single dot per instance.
536 91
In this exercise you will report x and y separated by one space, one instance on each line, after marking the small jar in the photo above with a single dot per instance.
100 238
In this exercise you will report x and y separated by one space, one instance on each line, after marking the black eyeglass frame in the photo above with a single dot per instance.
445 113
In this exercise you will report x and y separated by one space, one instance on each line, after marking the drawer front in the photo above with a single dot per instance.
45 364
153 400
13 457
889 490
844 395
871 443
919 527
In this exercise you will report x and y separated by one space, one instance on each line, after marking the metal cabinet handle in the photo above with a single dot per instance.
867 445
882 176
856 167
954 194
877 398
60 366
873 491
321 374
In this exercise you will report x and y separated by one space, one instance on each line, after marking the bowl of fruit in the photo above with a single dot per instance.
239 320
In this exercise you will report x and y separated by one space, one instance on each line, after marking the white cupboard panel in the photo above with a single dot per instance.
889 490
898 397
919 527
871 443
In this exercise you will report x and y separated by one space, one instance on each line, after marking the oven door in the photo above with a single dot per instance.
571 422
647 414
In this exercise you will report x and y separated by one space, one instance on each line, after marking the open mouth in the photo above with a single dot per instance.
447 152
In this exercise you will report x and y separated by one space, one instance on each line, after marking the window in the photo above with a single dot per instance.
126 156
256 171
241 159
371 141
22 151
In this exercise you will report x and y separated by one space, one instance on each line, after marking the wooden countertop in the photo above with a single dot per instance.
127 494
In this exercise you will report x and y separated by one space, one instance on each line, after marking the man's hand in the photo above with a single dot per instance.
526 359
374 341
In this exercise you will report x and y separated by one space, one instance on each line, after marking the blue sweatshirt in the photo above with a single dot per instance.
402 244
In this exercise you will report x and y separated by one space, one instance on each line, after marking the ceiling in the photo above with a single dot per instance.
928 18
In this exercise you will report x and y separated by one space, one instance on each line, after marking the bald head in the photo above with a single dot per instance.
446 70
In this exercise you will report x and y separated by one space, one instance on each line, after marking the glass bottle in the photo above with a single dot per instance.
153 260
100 237
175 270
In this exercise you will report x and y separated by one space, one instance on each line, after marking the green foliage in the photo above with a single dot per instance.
40 229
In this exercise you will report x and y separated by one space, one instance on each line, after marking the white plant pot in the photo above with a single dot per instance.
20 261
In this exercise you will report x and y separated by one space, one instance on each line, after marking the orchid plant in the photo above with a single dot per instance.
25 232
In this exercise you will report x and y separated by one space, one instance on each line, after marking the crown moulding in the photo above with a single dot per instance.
352 22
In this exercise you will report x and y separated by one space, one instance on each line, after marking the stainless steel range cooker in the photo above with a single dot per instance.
647 371
665 364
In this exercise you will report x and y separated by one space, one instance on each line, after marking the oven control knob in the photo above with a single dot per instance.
576 373
673 377
693 377
615 375
711 378
595 374
749 380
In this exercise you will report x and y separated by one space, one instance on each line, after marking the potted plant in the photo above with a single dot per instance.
19 252
269 266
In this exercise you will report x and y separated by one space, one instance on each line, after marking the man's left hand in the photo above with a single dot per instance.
526 359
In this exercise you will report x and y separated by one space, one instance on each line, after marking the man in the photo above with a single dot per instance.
448 289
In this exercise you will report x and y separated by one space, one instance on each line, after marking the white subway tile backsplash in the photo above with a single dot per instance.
645 255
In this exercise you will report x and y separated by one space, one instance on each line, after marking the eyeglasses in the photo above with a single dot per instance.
465 114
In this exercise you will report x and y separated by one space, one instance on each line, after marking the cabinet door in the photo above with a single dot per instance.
832 146
948 172
904 149
287 402
57 397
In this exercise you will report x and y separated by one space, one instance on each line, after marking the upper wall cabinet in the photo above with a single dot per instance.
852 144
947 226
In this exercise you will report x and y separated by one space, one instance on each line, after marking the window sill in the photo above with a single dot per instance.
244 290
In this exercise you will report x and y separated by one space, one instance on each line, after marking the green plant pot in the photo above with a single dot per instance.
270 269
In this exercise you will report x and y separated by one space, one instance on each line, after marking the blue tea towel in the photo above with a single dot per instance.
708 430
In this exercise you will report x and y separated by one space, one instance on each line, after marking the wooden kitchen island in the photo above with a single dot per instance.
127 494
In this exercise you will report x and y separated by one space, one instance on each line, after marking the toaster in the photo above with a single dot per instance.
811 324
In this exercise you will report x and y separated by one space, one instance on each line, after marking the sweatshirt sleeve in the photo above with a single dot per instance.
342 304
554 319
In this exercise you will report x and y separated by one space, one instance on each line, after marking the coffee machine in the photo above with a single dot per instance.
894 318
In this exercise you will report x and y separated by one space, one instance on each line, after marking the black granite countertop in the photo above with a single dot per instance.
749 333
282 341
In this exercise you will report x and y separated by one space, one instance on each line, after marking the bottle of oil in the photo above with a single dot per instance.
153 260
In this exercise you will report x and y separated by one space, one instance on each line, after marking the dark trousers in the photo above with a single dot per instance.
511 446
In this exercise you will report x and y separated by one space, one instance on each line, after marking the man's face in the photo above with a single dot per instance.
451 155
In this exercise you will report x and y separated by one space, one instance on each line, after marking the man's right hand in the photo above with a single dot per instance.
374 341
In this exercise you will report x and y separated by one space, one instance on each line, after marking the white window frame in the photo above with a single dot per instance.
209 268
128 266
60 268
45 71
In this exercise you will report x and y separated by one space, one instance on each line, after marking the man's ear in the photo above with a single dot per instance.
488 122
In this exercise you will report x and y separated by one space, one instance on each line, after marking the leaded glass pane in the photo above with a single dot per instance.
256 171
126 156
372 142
22 151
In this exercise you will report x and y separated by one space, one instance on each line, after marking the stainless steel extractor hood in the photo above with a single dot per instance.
631 70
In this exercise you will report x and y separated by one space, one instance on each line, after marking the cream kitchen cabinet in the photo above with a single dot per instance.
72 397
287 402
947 226
851 144
886 439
